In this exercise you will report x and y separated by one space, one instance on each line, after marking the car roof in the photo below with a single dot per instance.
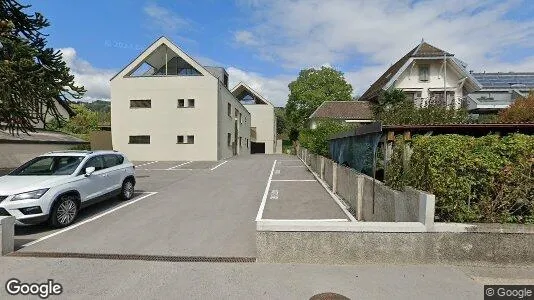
79 152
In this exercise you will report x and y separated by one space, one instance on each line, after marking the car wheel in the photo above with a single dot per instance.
64 211
127 190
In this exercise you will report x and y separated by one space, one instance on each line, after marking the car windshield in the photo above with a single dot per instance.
49 165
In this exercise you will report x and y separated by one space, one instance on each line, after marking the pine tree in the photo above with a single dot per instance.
32 76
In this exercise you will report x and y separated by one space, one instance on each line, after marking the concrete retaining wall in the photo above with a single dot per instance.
327 247
371 200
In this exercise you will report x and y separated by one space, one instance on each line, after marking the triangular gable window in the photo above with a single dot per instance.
246 97
164 62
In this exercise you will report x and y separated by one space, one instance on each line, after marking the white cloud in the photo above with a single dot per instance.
164 18
304 33
95 80
274 89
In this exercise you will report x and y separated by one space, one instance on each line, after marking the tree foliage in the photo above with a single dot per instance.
280 120
316 140
394 108
486 179
522 110
310 89
32 75
80 125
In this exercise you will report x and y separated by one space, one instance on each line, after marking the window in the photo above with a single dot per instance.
236 112
111 160
240 118
424 72
190 139
229 109
240 142
190 102
229 136
181 103
181 139
140 103
49 165
139 139
96 161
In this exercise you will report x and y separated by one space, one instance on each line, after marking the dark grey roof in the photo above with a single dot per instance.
505 80
39 137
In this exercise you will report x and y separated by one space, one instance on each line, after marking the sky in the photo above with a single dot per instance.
265 43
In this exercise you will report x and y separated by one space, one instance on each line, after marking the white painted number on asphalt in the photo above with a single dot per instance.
277 172
274 194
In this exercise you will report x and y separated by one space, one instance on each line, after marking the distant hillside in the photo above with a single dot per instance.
99 106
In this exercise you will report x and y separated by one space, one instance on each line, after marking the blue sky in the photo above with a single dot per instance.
266 43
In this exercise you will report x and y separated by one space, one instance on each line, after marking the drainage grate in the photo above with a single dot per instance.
136 257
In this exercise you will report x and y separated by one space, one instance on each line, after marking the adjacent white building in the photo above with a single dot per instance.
263 125
428 75
166 106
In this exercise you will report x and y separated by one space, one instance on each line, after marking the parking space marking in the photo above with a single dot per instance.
295 180
282 166
274 194
146 164
264 199
182 164
167 169
147 194
277 172
218 165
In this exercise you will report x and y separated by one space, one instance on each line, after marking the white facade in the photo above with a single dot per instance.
263 122
174 109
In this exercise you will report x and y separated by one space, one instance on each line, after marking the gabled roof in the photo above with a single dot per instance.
423 50
236 90
343 110
154 47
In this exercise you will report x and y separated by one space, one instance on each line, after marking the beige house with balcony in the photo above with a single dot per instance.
166 106
429 76
263 126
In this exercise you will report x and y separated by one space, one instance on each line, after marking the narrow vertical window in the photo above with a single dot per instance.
181 103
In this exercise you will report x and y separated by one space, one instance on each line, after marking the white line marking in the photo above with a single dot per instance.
167 169
305 220
148 194
264 199
282 166
277 172
145 164
295 180
219 165
274 194
334 196
289 160
182 164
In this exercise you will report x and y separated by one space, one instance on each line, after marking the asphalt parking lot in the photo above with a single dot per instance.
186 209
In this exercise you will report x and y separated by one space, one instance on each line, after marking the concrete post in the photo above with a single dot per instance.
359 198
322 168
427 207
7 234
334 177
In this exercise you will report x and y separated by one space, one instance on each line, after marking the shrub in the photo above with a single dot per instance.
316 140
522 110
486 179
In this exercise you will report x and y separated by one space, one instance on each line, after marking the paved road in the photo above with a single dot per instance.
111 279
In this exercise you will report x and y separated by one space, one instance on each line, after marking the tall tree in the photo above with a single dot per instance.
32 75
312 88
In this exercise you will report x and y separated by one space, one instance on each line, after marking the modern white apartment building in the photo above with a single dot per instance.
166 106
263 125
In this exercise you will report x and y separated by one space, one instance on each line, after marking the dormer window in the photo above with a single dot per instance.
424 73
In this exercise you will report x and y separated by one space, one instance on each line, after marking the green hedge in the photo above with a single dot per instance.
486 179
316 140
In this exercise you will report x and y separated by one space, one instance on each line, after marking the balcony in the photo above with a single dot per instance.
440 101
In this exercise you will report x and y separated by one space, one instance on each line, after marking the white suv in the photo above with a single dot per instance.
53 187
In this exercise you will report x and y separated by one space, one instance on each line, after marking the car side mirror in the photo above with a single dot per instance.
89 171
